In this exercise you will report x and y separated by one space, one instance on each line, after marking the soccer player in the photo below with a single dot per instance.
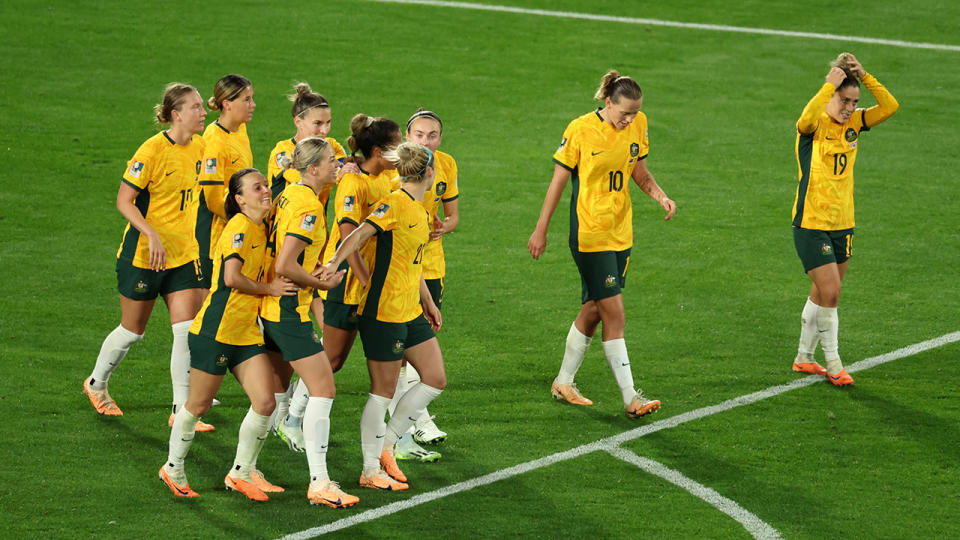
598 150
355 199
158 255
225 335
828 136
297 235
312 118
393 323
227 151
425 128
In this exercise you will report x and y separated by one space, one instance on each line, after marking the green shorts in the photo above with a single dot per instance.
293 339
435 286
206 271
342 316
386 342
602 274
145 284
211 356
817 248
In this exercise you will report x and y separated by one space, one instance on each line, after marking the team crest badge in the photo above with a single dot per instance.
210 166
238 241
348 203
441 188
136 168
381 210
198 166
398 347
634 150
610 282
308 222
562 144
826 249
222 360
141 287
850 135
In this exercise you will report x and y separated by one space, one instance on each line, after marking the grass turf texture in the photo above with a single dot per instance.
713 298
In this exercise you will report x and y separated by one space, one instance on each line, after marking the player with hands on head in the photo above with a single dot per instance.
827 142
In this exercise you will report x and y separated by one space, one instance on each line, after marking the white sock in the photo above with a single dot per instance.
180 363
576 349
280 411
413 380
181 437
808 330
828 325
253 432
399 391
372 430
616 353
408 410
298 405
114 348
316 434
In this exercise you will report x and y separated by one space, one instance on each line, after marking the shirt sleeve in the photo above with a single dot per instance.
351 195
211 179
644 137
233 244
568 154
810 117
886 103
303 223
139 168
384 216
453 190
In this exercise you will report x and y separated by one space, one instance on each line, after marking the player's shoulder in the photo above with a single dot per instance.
445 159
283 145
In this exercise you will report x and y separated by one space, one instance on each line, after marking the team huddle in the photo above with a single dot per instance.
244 261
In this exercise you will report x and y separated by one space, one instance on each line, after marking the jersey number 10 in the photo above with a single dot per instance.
616 180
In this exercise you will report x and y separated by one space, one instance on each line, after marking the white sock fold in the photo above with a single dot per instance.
575 350
316 434
400 390
114 348
808 330
372 430
616 353
180 363
181 437
828 325
409 409
298 404
253 433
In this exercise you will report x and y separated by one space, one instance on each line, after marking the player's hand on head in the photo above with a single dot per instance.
836 76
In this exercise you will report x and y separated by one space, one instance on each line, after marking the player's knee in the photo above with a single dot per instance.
435 380
264 405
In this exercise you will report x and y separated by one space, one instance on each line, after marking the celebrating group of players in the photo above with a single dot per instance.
240 266
241 263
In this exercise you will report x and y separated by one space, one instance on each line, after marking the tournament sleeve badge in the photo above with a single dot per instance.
210 166
279 159
348 203
562 144
136 168
308 222
238 241
381 210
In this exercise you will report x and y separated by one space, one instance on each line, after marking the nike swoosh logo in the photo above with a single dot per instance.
412 226
596 153
169 173
379 436
837 378
371 204
234 161
412 419
627 364
337 502
255 247
830 139
180 491
324 447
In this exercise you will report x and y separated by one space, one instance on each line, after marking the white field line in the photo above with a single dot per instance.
754 525
675 24
614 441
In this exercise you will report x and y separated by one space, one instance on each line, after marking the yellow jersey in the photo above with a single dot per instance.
280 179
445 189
601 159
164 174
226 153
228 315
403 230
826 153
298 214
355 199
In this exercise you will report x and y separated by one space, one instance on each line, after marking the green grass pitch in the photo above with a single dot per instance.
713 297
